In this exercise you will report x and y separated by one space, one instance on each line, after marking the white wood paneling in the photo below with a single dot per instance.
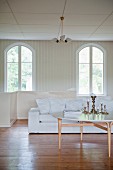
89 6
37 6
40 19
56 64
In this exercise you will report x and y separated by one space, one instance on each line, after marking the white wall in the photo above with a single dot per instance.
56 64
4 109
8 109
25 100
13 107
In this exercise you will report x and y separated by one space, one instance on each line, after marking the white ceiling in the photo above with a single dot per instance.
40 19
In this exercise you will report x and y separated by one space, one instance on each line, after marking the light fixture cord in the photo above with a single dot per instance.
64 8
62 19
61 24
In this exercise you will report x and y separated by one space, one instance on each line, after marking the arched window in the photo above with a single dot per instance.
19 72
91 70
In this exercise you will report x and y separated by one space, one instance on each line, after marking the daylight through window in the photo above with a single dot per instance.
91 71
19 69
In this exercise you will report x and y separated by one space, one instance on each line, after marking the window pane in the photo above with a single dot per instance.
12 77
84 55
26 54
26 80
83 78
97 78
12 54
15 73
97 55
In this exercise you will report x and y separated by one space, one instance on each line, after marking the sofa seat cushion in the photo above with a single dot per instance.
50 119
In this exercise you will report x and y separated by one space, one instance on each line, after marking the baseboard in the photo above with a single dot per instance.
7 125
12 122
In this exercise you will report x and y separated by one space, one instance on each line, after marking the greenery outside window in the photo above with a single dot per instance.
19 69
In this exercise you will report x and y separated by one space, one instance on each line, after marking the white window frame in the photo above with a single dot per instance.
104 68
33 65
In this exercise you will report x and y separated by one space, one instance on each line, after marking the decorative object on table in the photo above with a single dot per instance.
93 104
93 110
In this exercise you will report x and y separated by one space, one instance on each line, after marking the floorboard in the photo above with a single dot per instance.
21 151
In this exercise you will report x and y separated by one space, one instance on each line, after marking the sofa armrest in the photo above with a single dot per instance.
33 120
34 109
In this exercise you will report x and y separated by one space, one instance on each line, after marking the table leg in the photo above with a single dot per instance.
109 138
81 131
59 132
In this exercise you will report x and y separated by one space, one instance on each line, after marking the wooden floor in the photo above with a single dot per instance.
21 151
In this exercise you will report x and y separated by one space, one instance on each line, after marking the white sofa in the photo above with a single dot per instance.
40 119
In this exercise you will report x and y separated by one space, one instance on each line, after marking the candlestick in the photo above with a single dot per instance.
93 104
104 108
101 107
88 105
